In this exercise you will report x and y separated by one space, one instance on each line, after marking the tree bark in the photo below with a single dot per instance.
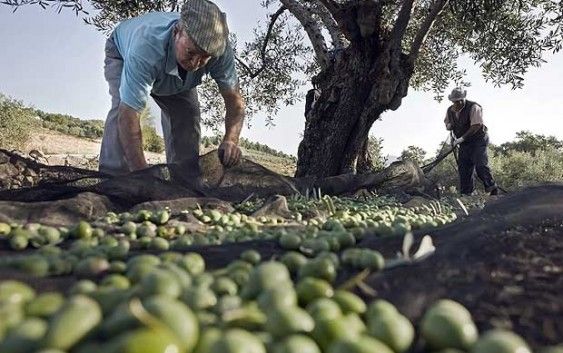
361 83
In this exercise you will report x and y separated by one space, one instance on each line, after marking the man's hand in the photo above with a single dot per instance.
229 154
458 141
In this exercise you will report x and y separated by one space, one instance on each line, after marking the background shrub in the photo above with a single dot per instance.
16 123
151 140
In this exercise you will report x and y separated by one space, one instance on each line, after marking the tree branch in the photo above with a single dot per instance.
330 23
402 22
75 5
331 5
437 8
246 67
312 28
273 19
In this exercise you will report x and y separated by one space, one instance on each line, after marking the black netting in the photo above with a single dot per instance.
26 180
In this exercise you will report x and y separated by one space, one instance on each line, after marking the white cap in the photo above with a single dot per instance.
457 94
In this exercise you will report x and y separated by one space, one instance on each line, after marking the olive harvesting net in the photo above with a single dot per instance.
27 180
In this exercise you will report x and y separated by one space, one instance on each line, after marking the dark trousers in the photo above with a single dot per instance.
180 117
473 158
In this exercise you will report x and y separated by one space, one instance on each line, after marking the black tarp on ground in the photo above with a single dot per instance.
50 183
505 264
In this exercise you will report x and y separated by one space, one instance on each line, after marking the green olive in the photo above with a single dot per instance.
500 341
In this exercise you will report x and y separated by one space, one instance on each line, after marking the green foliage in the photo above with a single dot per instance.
151 140
16 123
505 38
415 154
18 119
516 169
67 124
375 146
530 143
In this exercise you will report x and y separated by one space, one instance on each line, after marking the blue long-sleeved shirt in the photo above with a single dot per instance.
146 44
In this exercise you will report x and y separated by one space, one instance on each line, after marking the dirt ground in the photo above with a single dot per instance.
77 151
83 152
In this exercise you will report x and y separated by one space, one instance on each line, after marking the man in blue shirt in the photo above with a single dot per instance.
166 55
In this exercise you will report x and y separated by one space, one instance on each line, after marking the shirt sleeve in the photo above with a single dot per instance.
476 116
137 79
223 70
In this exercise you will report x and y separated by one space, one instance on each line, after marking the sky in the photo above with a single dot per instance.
54 62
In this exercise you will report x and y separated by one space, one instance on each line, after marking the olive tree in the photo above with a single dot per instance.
363 55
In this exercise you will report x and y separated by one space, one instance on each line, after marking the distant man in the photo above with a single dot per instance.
465 119
167 54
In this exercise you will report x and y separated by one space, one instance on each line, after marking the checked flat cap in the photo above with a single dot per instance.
204 22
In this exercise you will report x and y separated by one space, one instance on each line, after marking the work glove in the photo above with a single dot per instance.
458 141
229 154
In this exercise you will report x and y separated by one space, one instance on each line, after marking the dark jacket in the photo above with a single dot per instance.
461 124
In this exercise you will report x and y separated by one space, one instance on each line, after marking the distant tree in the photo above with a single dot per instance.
415 154
530 143
76 131
68 124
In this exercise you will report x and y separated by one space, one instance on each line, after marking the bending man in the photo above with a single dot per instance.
166 55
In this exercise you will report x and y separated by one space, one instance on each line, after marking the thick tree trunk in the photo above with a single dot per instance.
355 90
